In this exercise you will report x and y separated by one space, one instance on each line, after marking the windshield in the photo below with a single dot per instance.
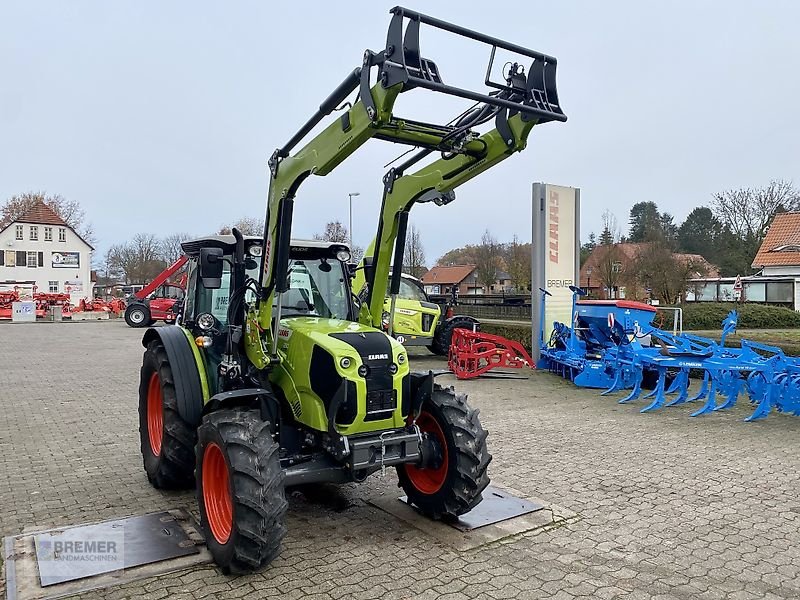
317 288
409 290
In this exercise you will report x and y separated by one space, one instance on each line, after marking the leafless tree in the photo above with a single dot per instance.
247 225
140 259
414 254
334 232
518 263
69 210
666 274
487 262
171 246
747 212
610 268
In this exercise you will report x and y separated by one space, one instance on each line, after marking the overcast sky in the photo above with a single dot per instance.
160 116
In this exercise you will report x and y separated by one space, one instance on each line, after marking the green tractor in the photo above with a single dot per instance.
418 321
278 374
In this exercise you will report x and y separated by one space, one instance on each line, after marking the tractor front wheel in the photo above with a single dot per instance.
240 490
167 441
456 474
137 315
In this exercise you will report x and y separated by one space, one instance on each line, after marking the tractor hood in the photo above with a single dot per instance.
339 337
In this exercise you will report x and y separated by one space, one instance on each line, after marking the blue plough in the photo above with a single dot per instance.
613 345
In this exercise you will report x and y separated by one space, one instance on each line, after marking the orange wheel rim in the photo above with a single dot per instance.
155 414
217 493
429 481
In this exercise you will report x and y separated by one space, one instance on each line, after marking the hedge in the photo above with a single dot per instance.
709 315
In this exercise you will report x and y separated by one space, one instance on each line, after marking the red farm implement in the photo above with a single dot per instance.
156 301
473 354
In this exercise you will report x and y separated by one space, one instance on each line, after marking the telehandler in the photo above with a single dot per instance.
278 374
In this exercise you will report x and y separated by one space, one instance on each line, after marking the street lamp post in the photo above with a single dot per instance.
589 281
350 195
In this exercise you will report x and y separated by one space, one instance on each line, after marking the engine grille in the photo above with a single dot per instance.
380 404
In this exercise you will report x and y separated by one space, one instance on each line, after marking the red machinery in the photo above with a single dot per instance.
145 309
473 353
43 302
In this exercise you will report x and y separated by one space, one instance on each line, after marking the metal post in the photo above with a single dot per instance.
351 216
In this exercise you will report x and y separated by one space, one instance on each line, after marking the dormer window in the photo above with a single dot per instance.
787 248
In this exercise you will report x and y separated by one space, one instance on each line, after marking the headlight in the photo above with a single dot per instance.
343 255
206 321
401 358
392 368
345 362
363 371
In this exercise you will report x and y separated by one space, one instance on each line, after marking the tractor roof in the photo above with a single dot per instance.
227 242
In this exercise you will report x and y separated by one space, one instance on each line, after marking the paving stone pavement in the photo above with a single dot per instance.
670 507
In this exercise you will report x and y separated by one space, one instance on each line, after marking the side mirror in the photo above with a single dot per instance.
369 268
211 267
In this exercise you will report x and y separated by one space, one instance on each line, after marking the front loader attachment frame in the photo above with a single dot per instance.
526 98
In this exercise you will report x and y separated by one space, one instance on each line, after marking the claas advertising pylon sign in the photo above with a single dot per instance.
555 263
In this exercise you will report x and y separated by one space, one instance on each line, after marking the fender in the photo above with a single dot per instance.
189 389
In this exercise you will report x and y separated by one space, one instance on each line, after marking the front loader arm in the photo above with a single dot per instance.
523 99
434 182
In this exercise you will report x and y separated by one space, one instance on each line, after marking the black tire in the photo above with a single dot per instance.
171 464
444 333
137 315
255 490
466 459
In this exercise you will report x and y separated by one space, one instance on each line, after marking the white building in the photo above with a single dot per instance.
40 249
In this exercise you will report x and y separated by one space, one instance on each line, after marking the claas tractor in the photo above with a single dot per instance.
278 374
418 321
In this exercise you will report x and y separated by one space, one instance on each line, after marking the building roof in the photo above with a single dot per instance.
42 214
781 245
451 275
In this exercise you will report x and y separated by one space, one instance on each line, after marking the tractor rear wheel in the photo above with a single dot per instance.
444 334
452 483
137 315
167 441
240 490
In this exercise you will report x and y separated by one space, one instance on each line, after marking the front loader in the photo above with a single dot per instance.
278 374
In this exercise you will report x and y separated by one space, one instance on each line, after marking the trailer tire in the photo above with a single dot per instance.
444 334
454 485
137 315
240 490
167 440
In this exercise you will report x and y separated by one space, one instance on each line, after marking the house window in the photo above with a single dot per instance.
34 233
48 234
19 232
62 234
616 267
32 259
11 258
53 287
